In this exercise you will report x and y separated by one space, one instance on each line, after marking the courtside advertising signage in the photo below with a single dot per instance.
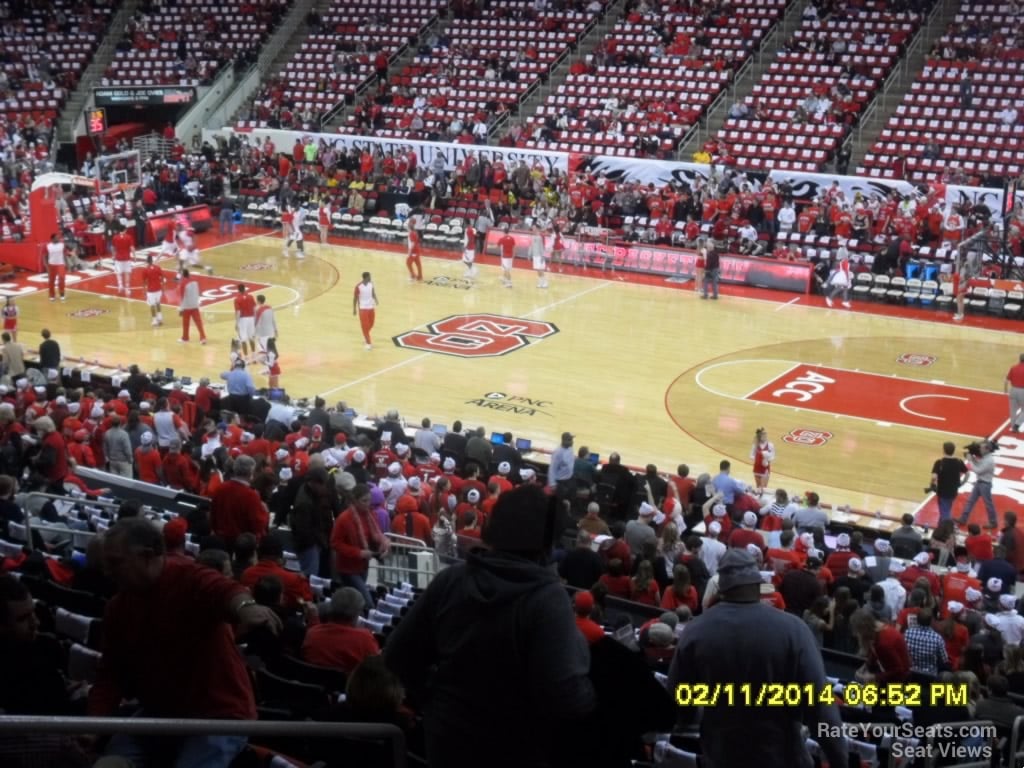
155 95
669 262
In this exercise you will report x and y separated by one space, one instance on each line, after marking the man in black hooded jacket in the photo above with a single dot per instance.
490 652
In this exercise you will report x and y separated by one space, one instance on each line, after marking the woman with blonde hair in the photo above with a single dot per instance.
669 545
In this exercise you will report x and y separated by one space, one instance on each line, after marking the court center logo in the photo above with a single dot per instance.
478 335
812 438
916 359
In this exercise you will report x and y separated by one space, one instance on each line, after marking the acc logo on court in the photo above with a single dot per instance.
912 358
481 335
809 437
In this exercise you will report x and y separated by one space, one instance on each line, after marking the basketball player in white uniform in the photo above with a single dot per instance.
539 257
296 234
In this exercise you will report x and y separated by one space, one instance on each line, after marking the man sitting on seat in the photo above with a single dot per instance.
271 563
339 642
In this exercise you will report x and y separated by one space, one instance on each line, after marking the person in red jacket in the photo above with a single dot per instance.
583 606
355 539
747 534
147 460
340 643
680 591
839 561
409 521
181 613
52 460
236 508
295 587
978 544
179 471
888 659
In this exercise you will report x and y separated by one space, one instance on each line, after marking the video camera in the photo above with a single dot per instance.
974 449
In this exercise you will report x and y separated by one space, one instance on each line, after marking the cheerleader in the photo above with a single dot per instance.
11 318
273 370
557 248
762 454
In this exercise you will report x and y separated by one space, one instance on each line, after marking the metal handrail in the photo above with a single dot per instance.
1018 722
147 726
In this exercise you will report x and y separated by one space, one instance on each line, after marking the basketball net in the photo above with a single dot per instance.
128 190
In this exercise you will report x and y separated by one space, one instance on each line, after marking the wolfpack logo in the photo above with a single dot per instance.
480 335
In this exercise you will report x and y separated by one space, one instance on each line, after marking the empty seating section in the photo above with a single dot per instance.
963 118
649 80
802 108
335 60
475 68
44 49
187 42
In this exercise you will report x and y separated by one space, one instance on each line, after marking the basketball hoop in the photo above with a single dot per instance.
128 189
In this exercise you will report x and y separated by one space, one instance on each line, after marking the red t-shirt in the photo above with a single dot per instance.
508 246
154 277
245 305
338 646
148 463
294 585
591 630
1016 375
123 245
979 547
190 666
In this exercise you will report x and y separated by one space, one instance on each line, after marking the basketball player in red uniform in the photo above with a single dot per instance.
364 303
153 277
124 250
762 454
413 257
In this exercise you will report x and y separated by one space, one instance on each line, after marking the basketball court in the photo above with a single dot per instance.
857 404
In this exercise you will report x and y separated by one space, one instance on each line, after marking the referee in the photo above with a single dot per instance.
1014 387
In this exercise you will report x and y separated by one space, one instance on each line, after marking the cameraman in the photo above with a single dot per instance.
982 463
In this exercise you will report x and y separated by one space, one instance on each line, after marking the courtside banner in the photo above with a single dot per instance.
426 151
670 262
